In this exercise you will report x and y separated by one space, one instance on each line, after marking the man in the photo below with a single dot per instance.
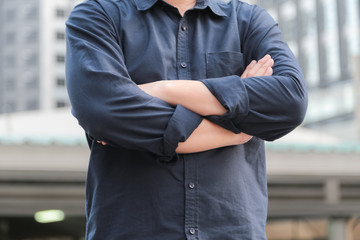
161 84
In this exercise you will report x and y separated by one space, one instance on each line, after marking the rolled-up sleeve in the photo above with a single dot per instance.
107 103
267 107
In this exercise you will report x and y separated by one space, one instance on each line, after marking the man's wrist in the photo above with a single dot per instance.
241 138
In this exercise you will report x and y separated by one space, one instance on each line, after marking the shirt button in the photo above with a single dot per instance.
183 28
192 231
191 185
183 65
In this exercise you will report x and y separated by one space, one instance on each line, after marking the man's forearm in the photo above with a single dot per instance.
193 95
210 136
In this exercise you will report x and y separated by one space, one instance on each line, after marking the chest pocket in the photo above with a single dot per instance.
221 64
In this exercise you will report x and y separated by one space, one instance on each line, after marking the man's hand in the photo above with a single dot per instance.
102 142
263 67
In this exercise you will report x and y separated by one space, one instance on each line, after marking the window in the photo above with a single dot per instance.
10 84
60 104
60 58
9 107
31 59
60 81
10 61
10 15
32 104
32 36
288 20
309 42
31 81
352 26
10 37
60 35
60 12
330 42
32 13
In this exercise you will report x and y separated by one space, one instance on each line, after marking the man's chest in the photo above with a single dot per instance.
166 46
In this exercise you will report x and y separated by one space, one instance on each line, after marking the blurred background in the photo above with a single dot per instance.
313 173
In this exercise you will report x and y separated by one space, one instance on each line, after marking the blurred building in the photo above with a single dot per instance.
325 37
32 59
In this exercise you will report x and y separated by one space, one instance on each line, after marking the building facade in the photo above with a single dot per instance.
325 37
32 59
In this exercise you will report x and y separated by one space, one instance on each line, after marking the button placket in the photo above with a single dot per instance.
191 198
190 166
183 62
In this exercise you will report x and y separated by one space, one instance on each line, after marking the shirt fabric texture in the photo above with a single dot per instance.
137 186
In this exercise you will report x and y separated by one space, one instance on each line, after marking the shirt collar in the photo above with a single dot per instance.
143 5
214 5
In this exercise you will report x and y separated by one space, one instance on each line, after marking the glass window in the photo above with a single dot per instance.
31 59
10 84
60 12
10 37
9 106
10 61
60 81
330 40
352 26
60 58
309 42
32 36
288 10
10 15
60 104
32 104
32 13
31 81
60 35
288 20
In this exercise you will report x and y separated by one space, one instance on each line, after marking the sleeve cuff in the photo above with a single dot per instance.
231 92
180 127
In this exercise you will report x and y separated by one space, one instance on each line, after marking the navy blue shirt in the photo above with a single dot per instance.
137 186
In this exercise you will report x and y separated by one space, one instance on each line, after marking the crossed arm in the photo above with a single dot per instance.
195 96
110 107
